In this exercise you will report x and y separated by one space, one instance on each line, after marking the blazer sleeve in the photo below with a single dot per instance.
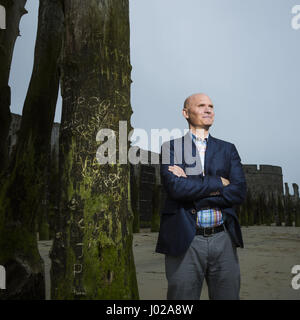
181 188
232 194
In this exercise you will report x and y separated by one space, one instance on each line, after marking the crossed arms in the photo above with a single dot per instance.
205 190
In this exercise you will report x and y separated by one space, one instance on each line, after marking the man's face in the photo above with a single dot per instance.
200 111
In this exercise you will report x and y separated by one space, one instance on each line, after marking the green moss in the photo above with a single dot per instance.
20 195
108 270
107 277
106 257
44 231
68 177
18 241
64 283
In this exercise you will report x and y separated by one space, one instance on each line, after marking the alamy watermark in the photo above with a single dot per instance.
2 17
2 278
295 22
296 279
106 152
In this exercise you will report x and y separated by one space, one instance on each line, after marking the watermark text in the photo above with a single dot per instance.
296 279
295 22
2 17
2 278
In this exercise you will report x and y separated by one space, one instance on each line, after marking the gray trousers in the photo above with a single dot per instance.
213 258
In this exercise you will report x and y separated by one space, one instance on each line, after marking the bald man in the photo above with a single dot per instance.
199 229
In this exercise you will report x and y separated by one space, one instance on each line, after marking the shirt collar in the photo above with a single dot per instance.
195 138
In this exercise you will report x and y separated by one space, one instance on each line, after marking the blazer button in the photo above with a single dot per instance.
193 211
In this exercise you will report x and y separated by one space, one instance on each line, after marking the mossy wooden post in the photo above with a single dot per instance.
243 214
288 209
53 192
273 207
268 209
250 208
280 210
276 209
240 211
264 208
297 213
92 255
255 206
259 210
14 10
296 204
246 215
24 181
287 206
42 221
135 196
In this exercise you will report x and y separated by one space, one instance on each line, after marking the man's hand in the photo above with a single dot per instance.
216 193
225 181
177 171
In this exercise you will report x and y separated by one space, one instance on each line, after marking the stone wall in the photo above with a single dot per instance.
263 177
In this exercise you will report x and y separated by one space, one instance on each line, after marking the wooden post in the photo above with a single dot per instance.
92 255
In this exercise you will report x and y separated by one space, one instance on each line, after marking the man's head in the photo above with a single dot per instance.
199 111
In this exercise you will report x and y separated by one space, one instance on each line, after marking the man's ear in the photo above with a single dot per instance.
184 113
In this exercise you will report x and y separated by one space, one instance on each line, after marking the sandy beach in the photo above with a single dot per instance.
266 261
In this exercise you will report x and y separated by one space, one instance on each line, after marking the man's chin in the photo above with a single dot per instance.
201 126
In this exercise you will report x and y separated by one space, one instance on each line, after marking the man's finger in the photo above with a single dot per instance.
178 171
179 174
178 168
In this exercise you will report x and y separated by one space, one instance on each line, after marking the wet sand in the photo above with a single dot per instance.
266 261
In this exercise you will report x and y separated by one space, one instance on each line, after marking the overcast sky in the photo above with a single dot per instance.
243 54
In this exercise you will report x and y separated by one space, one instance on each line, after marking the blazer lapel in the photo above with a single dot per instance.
211 148
191 157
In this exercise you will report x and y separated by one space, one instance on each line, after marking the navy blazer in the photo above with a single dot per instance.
186 196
